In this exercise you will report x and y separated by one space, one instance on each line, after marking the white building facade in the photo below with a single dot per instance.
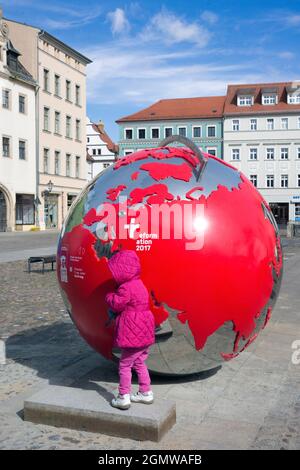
97 149
17 133
262 139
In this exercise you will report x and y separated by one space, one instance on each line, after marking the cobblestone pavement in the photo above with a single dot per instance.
252 402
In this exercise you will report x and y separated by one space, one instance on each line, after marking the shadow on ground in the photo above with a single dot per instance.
54 349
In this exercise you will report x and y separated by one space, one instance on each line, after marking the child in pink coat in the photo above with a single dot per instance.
134 328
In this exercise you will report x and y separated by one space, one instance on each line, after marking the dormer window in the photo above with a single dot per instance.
269 99
269 96
245 100
245 96
293 98
293 93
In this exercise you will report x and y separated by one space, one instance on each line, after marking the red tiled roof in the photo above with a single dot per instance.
180 108
231 106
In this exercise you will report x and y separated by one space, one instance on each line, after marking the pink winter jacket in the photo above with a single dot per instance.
135 322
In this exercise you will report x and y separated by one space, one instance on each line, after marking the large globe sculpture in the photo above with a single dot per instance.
209 249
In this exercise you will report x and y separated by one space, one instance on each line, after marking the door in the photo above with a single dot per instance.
51 211
3 213
281 213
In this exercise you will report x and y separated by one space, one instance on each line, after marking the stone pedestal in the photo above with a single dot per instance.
87 410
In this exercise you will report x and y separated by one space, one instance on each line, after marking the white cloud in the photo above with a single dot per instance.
209 17
293 20
165 26
286 55
122 73
119 22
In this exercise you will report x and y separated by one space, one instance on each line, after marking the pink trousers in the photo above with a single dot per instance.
134 358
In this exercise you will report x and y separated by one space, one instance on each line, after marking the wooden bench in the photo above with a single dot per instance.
49 259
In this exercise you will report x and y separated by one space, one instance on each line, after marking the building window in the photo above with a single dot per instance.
46 80
298 181
25 209
77 169
235 125
284 181
284 153
46 119
68 164
57 85
68 90
182 131
197 131
235 154
212 151
6 146
6 99
99 151
57 123
297 209
298 152
77 95
77 129
253 124
68 126
298 122
253 154
46 160
106 165
155 133
270 124
57 162
211 131
128 134
284 123
270 154
269 99
270 181
22 150
22 104
142 133
294 98
94 151
253 179
245 100
168 131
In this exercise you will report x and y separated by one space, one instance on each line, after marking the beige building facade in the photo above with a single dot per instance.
60 72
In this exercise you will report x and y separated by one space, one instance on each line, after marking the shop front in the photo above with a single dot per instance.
25 211
51 211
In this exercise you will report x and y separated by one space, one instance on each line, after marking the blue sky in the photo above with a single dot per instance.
146 50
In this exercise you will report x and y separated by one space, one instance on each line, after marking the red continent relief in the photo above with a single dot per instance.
160 171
